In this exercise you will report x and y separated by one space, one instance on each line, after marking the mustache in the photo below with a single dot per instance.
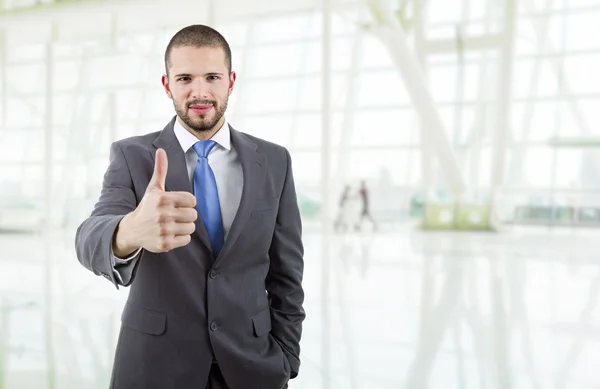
202 102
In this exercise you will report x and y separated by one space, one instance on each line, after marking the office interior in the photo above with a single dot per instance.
474 125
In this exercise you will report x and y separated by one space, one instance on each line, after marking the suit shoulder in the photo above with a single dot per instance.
266 145
137 141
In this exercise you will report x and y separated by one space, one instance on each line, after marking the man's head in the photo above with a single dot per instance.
198 77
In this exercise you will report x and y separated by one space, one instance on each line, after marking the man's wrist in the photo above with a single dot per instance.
123 243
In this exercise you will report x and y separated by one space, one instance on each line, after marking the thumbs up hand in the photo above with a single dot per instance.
162 221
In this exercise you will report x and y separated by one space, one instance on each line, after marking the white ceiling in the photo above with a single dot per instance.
92 18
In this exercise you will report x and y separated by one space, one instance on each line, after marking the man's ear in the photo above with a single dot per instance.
232 78
165 83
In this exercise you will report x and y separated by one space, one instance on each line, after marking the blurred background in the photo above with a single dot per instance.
471 128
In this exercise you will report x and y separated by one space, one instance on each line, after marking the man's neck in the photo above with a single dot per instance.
203 135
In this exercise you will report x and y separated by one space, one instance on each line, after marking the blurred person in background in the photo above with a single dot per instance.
341 222
202 222
365 212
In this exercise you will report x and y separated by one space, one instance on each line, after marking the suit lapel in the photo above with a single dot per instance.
177 178
253 169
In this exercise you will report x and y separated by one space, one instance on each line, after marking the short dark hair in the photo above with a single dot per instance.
198 35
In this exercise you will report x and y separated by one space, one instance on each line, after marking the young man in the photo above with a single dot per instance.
202 222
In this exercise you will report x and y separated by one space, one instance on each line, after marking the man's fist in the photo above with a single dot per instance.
162 221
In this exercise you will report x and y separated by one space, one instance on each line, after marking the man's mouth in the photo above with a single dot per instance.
201 109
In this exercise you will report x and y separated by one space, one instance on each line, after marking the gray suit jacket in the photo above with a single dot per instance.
185 308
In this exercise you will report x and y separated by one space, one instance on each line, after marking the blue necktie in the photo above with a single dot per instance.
207 197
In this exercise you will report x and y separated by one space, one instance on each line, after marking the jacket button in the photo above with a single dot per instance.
213 326
213 274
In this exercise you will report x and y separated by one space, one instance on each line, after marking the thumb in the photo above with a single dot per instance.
157 182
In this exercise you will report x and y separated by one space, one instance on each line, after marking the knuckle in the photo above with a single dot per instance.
162 217
163 230
163 200
164 244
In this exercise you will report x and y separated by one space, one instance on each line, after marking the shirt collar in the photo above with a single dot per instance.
187 140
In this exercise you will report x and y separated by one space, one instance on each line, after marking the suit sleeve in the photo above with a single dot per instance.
94 236
284 281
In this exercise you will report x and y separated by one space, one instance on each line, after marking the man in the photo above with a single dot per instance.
202 222
364 213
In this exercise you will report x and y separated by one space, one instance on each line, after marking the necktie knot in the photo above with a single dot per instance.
203 147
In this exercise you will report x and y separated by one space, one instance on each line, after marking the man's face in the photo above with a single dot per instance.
199 84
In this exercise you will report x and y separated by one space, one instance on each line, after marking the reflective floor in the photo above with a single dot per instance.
395 309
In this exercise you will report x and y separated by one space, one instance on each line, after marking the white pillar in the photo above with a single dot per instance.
505 78
392 34
345 148
212 13
4 339
326 79
111 97
3 62
427 156
50 220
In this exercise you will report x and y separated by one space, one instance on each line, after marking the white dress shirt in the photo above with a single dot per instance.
225 164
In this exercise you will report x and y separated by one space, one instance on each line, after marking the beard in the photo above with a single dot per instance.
202 123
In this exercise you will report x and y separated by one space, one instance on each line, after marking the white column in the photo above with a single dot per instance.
345 148
505 78
326 116
516 166
427 160
3 62
111 96
4 339
50 220
392 35
481 110
212 13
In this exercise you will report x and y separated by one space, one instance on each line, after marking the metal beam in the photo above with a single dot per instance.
477 43
389 30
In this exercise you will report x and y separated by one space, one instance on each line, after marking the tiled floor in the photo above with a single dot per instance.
401 309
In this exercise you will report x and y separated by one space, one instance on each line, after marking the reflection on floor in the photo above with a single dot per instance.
404 309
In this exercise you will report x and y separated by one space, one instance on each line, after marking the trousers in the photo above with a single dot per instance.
216 380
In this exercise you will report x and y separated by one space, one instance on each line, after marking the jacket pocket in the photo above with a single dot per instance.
262 322
142 320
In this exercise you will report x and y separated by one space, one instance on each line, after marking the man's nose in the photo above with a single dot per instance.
200 90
